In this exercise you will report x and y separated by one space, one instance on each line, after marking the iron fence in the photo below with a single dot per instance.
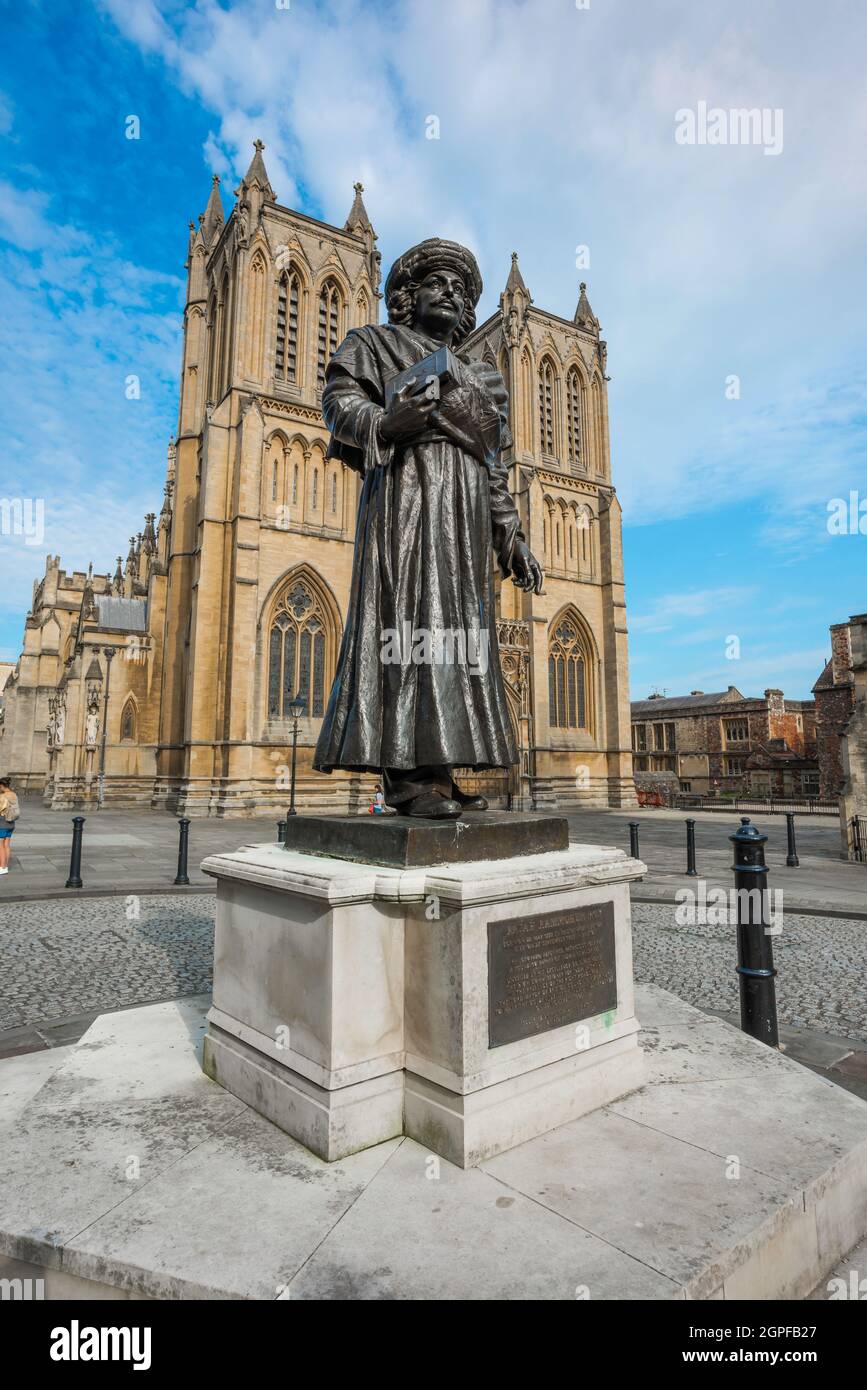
774 806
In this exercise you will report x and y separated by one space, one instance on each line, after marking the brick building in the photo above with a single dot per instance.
841 731
835 699
725 742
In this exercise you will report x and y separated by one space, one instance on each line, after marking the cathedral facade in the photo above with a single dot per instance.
169 683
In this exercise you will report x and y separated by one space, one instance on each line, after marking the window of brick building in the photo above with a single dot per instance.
736 731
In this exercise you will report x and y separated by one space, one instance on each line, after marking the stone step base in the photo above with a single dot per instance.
731 1173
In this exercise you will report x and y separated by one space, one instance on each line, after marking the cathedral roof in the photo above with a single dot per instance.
358 212
122 614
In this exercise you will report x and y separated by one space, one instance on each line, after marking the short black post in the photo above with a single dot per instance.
281 832
755 951
633 839
691 871
792 859
183 847
74 880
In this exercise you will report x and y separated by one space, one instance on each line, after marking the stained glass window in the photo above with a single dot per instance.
297 653
567 677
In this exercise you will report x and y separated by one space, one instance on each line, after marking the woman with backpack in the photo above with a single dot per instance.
9 813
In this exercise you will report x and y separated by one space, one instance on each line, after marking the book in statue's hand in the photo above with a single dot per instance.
441 366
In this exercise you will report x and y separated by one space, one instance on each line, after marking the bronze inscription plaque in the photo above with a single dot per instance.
549 970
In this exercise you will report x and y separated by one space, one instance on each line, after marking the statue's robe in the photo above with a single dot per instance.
431 511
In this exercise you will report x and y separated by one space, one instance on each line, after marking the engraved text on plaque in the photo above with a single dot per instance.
549 970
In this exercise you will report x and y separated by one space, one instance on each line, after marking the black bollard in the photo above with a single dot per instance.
691 871
281 832
755 952
633 839
74 880
792 859
183 847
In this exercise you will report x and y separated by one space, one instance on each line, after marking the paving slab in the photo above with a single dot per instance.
22 1077
684 1204
236 1217
126 1103
427 1230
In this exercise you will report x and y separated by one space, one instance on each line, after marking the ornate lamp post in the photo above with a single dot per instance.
297 706
108 653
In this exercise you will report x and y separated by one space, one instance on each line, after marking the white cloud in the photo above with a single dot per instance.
76 319
557 128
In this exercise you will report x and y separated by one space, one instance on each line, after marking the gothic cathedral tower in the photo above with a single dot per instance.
261 547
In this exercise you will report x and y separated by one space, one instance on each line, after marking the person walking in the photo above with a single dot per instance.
9 813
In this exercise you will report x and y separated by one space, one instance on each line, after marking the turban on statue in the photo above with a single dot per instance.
411 268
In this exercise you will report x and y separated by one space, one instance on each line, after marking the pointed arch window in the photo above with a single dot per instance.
213 355
329 328
127 723
567 677
546 407
297 647
286 351
573 418
295 485
225 338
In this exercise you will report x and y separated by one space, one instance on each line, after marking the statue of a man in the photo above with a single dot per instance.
418 689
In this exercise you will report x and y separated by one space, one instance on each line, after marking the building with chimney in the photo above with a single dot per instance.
725 743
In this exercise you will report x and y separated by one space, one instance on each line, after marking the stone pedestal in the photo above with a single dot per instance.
471 1006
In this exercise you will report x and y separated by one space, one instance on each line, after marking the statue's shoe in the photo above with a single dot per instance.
467 802
431 805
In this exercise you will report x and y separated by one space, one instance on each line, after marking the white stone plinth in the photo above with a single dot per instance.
351 1000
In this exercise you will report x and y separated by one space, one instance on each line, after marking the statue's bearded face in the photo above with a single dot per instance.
439 303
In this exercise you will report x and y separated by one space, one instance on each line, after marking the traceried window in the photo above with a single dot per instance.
546 407
567 677
286 352
296 652
573 418
736 731
329 328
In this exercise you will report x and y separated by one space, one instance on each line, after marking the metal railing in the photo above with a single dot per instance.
773 806
858 838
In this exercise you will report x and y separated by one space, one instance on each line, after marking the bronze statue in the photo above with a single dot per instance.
418 689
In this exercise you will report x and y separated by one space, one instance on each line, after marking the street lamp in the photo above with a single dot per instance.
297 708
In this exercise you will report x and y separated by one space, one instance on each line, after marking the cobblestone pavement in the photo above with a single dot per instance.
66 958
61 958
822 965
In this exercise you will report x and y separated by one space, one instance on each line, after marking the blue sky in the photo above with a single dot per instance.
557 130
